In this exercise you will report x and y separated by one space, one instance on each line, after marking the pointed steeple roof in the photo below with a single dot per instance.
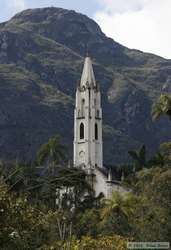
88 78
110 175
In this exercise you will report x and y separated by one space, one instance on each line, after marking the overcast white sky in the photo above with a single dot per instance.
139 24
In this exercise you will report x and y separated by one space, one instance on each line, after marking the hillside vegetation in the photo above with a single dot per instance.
41 58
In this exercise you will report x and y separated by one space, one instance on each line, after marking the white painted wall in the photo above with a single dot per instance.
88 151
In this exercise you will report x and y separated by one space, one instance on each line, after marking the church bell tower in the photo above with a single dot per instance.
88 121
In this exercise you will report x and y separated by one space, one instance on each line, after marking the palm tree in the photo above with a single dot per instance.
117 213
157 160
166 152
162 107
53 152
139 158
120 202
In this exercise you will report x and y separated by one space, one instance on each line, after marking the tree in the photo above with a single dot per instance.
157 160
162 107
52 153
18 176
151 219
74 181
116 212
139 158
87 223
114 242
166 152
20 223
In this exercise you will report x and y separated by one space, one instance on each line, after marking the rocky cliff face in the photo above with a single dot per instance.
41 57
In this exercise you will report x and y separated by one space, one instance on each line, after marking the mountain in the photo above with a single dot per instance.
41 58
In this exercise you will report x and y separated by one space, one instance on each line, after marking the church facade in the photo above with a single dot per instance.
88 142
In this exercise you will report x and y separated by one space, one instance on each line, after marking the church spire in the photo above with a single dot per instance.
88 121
88 78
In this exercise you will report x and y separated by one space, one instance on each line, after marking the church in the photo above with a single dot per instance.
88 141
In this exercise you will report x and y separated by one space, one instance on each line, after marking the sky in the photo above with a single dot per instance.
138 24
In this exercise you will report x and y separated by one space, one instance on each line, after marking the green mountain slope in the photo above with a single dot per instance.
41 57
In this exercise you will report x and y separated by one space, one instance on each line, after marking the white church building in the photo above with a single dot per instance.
88 142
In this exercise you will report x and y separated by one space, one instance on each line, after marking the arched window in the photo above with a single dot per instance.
81 131
98 113
96 131
82 107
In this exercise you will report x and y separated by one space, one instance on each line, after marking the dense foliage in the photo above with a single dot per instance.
34 215
47 205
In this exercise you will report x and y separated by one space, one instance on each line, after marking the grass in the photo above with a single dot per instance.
53 96
108 130
21 80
